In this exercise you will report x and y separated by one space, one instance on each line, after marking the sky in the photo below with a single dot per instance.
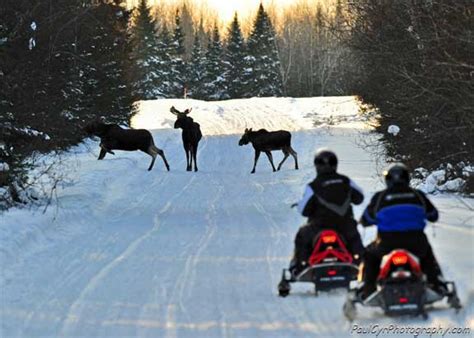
227 8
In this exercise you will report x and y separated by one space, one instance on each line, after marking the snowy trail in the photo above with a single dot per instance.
178 254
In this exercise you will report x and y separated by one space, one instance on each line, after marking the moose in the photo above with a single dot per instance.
114 137
191 136
267 141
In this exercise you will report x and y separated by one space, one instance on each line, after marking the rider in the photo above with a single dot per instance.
327 204
400 214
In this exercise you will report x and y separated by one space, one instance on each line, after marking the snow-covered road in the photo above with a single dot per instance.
131 253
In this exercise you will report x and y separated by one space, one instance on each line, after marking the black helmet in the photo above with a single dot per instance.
325 161
397 174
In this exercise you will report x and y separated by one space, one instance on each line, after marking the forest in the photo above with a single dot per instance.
64 63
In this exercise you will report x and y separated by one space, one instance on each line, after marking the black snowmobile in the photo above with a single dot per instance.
401 289
330 266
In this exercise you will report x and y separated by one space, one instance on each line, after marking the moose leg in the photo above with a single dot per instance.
153 155
188 164
162 154
194 157
106 147
286 153
189 158
295 156
270 158
257 155
102 154
153 151
190 151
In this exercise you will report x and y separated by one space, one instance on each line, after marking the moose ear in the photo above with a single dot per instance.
250 129
173 110
246 130
190 110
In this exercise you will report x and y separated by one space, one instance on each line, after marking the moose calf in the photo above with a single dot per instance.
263 140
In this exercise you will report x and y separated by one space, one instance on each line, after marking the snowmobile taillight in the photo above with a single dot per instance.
329 239
332 272
403 300
400 258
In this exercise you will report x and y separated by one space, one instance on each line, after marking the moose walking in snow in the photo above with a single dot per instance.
263 140
114 137
191 136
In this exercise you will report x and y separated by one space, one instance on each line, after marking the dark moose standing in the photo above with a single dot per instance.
114 137
263 140
191 136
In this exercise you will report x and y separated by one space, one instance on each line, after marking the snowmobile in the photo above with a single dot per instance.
401 289
330 266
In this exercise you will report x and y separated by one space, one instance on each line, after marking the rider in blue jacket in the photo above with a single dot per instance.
400 214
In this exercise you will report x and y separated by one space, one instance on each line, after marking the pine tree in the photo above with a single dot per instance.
112 93
214 83
145 71
262 69
234 60
165 50
178 73
64 67
196 70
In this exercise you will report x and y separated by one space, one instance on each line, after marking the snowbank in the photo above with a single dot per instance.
293 113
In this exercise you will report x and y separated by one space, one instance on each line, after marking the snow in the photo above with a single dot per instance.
33 26
393 129
32 132
441 180
433 180
31 43
4 166
453 185
468 170
124 252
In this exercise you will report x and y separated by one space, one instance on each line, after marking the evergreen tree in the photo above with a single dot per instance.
60 67
196 70
262 69
145 71
178 73
104 86
214 83
187 28
234 60
165 50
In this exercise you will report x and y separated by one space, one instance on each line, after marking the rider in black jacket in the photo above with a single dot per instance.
327 204
400 214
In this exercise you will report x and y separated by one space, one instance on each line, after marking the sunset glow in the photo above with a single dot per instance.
225 8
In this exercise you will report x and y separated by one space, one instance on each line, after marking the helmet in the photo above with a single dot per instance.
325 161
397 174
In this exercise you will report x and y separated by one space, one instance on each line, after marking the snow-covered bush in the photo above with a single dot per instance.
447 178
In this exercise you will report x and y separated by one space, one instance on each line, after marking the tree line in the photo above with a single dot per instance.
416 67
214 70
